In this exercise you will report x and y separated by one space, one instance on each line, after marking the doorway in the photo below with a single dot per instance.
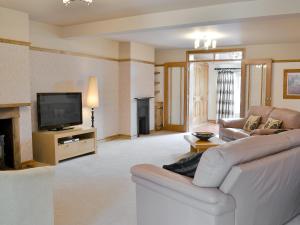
214 86
199 93
175 97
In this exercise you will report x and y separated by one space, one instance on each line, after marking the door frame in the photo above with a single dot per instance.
268 63
223 50
167 126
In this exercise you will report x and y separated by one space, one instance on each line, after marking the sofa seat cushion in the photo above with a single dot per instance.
290 118
234 133
217 162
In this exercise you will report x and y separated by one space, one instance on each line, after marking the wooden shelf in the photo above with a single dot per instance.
157 83
157 92
156 73
15 105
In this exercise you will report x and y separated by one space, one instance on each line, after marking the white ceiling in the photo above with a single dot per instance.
255 31
54 12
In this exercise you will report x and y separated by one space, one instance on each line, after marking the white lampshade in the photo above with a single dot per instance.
93 93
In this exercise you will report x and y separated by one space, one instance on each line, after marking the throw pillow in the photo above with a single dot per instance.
273 124
186 166
252 123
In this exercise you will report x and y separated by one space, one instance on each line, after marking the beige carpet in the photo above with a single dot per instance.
97 189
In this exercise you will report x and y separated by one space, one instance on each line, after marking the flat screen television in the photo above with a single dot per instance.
59 110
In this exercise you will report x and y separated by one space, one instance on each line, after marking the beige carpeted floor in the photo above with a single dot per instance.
97 189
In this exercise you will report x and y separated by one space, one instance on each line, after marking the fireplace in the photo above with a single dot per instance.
143 116
6 144
10 156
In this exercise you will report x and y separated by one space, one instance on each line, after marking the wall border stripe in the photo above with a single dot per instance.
65 52
14 42
285 60
71 53
136 60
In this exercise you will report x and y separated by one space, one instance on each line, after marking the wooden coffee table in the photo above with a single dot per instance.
201 146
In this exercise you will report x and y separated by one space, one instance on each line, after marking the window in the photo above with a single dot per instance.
215 55
229 56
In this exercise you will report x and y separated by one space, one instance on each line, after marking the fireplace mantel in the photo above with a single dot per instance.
14 105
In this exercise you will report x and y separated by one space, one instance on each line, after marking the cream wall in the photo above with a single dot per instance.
15 88
15 72
136 80
14 24
53 72
277 93
124 50
125 98
119 82
142 52
49 36
274 51
142 85
169 55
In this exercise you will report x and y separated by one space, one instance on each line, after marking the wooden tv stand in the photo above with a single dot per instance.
47 149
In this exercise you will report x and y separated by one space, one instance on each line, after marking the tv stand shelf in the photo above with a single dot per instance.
47 149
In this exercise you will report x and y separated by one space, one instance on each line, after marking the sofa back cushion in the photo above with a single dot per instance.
216 162
263 111
269 187
290 118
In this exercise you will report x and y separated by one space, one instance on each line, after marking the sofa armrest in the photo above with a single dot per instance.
149 175
232 123
27 196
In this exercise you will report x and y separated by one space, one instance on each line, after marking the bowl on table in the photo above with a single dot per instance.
203 136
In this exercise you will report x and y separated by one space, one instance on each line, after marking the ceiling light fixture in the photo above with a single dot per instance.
207 43
68 2
205 40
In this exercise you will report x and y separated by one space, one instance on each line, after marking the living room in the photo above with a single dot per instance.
141 61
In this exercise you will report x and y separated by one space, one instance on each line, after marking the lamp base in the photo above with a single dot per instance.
93 117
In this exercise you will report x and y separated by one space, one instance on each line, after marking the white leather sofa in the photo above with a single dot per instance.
26 197
252 181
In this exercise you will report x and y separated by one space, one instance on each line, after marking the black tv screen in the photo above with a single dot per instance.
59 110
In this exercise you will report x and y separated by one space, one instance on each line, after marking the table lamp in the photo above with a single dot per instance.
93 96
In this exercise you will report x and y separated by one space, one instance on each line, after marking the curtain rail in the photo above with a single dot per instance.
227 68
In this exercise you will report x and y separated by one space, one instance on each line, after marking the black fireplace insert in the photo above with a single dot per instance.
143 115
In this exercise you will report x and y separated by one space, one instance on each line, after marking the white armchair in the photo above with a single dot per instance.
253 181
166 198
26 197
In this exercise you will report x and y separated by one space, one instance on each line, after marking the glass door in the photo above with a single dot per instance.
175 97
256 84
